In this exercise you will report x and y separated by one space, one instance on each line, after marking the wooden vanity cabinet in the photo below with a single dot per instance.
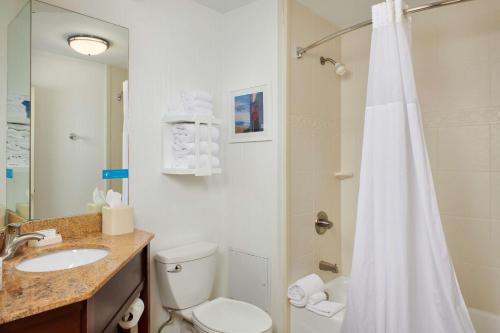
100 313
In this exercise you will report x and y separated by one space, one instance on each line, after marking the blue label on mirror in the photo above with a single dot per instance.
115 174
9 173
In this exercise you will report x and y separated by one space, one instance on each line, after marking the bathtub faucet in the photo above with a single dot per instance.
326 266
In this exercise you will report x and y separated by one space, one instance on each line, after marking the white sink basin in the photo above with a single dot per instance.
63 259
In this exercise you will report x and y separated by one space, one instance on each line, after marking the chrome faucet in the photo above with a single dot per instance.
14 239
326 266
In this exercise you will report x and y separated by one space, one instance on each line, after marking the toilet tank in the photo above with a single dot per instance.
186 274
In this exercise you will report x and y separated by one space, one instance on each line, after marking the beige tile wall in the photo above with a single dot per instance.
457 65
314 146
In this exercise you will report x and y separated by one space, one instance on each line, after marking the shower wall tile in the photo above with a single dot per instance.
424 39
495 195
495 244
314 146
301 266
465 148
495 147
302 235
496 292
301 145
301 87
431 139
327 194
470 43
453 234
469 240
466 117
430 79
462 86
464 194
477 284
494 32
348 229
326 83
325 141
302 193
495 83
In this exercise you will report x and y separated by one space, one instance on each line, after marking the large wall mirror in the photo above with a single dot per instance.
67 90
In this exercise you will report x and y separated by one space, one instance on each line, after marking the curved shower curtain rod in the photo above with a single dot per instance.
302 50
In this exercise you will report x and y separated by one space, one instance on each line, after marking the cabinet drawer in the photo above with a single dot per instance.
67 319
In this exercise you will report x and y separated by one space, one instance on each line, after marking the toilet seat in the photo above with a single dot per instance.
224 315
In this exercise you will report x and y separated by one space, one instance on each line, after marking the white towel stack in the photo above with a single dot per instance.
187 148
15 107
194 102
198 102
321 306
184 146
189 161
300 291
18 145
186 133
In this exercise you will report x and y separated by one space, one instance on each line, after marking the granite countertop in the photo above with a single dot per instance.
25 294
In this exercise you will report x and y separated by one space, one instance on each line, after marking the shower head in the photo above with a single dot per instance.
340 68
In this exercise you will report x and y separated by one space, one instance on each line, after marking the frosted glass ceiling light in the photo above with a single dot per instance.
88 45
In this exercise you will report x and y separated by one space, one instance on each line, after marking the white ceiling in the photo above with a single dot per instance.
224 6
52 26
345 13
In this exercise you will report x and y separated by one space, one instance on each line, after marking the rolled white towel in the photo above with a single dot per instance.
316 298
198 104
325 308
196 95
192 107
198 110
190 148
300 291
187 132
189 161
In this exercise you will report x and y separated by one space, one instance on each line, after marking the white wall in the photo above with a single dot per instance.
70 97
10 8
171 47
178 44
249 54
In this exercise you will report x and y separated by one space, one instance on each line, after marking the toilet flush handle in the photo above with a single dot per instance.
174 269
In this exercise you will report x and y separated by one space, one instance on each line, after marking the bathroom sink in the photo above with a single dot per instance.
63 259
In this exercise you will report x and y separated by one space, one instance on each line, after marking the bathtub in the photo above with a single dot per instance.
304 321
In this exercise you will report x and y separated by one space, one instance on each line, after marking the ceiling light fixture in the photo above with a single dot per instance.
88 45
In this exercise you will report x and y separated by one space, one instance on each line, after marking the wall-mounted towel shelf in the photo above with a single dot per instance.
202 161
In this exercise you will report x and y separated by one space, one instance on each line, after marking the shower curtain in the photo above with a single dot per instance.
402 279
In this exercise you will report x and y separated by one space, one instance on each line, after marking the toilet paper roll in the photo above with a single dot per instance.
133 314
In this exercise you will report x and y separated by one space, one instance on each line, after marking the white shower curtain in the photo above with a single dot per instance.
402 279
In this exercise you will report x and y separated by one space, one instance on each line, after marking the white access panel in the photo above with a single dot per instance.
249 278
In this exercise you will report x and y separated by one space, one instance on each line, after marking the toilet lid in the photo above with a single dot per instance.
225 315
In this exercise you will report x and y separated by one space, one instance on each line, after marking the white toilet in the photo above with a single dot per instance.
186 276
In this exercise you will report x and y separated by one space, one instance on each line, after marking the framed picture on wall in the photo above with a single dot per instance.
251 118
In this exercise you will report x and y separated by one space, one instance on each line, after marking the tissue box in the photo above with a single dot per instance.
117 221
